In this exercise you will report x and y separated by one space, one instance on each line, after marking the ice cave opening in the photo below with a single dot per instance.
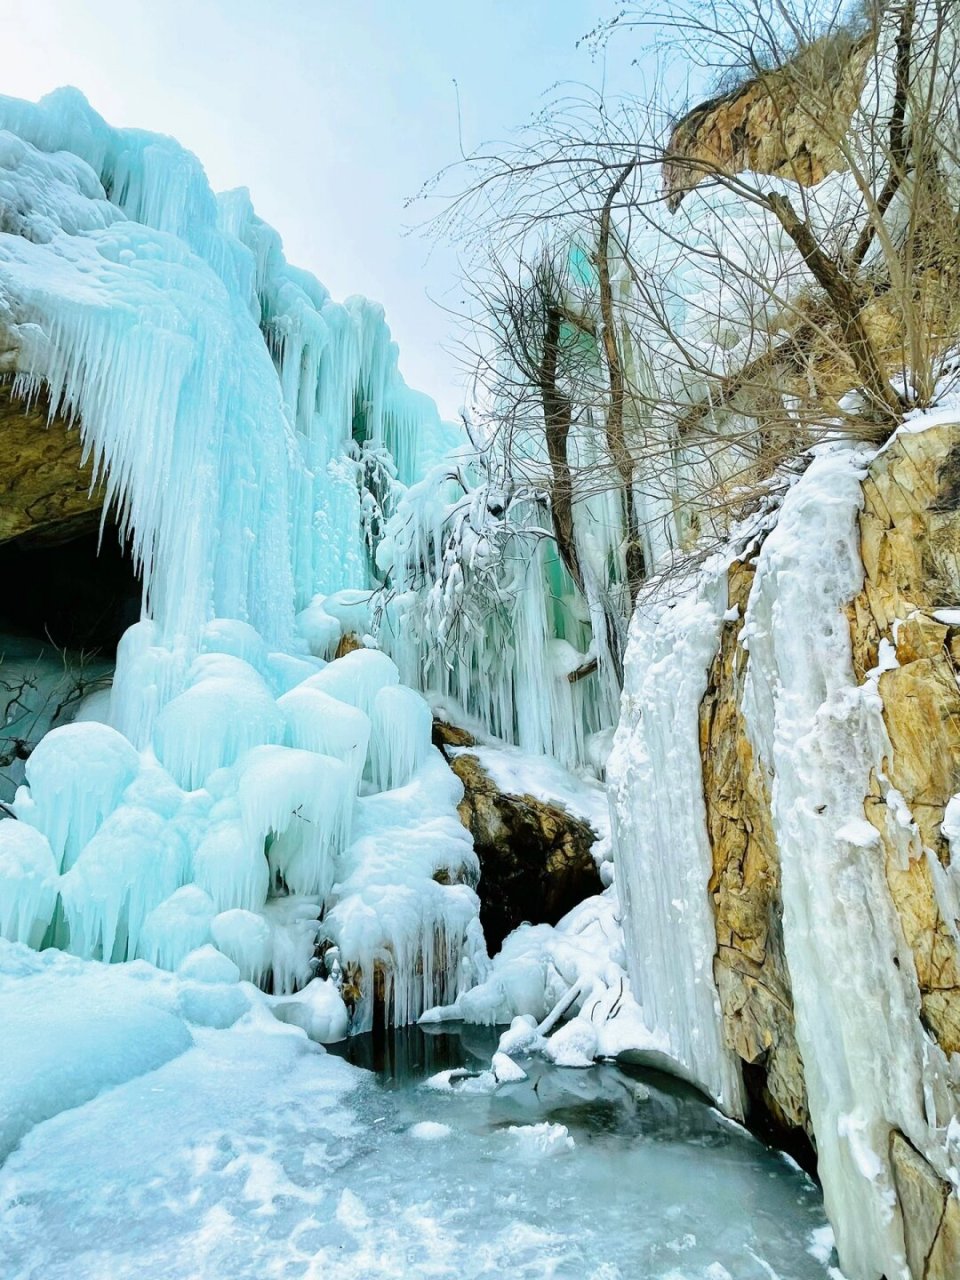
74 589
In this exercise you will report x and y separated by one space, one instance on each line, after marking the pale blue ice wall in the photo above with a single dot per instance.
216 386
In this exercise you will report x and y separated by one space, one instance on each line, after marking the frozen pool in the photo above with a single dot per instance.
254 1155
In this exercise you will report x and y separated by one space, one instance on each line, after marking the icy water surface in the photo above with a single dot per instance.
609 1173
253 1156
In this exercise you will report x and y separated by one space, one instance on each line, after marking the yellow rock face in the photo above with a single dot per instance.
931 1214
786 123
910 536
44 486
750 969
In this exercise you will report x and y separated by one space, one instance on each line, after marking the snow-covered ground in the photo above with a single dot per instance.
174 1148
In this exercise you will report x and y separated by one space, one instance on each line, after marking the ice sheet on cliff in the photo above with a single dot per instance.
870 1066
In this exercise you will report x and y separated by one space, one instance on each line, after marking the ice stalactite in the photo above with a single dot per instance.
222 393
663 855
28 883
480 612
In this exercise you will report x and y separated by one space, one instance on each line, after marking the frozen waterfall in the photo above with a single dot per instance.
249 783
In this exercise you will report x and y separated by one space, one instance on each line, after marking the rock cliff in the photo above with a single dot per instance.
787 122
905 636
46 487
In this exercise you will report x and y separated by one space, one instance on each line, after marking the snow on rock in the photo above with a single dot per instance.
318 1009
430 1131
575 1044
564 989
518 773
506 1070
535 1141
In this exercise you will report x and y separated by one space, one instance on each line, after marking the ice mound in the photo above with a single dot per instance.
535 1141
240 825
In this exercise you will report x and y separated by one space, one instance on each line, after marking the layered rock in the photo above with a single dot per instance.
536 862
47 493
787 122
905 644
910 538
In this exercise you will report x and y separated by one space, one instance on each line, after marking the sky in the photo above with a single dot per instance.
332 113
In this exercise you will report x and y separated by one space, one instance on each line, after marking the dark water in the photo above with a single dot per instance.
402 1056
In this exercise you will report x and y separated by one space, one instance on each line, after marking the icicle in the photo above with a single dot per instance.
76 777
320 630
293 924
356 678
318 722
176 927
28 883
402 727
231 867
300 804
131 865
213 722
247 940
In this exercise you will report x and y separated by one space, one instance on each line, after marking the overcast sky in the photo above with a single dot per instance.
332 112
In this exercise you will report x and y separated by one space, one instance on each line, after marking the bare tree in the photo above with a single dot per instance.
670 306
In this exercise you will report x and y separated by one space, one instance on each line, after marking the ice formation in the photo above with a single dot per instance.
666 859
243 783
869 1065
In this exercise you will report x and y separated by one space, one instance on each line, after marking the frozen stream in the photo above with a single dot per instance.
255 1155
